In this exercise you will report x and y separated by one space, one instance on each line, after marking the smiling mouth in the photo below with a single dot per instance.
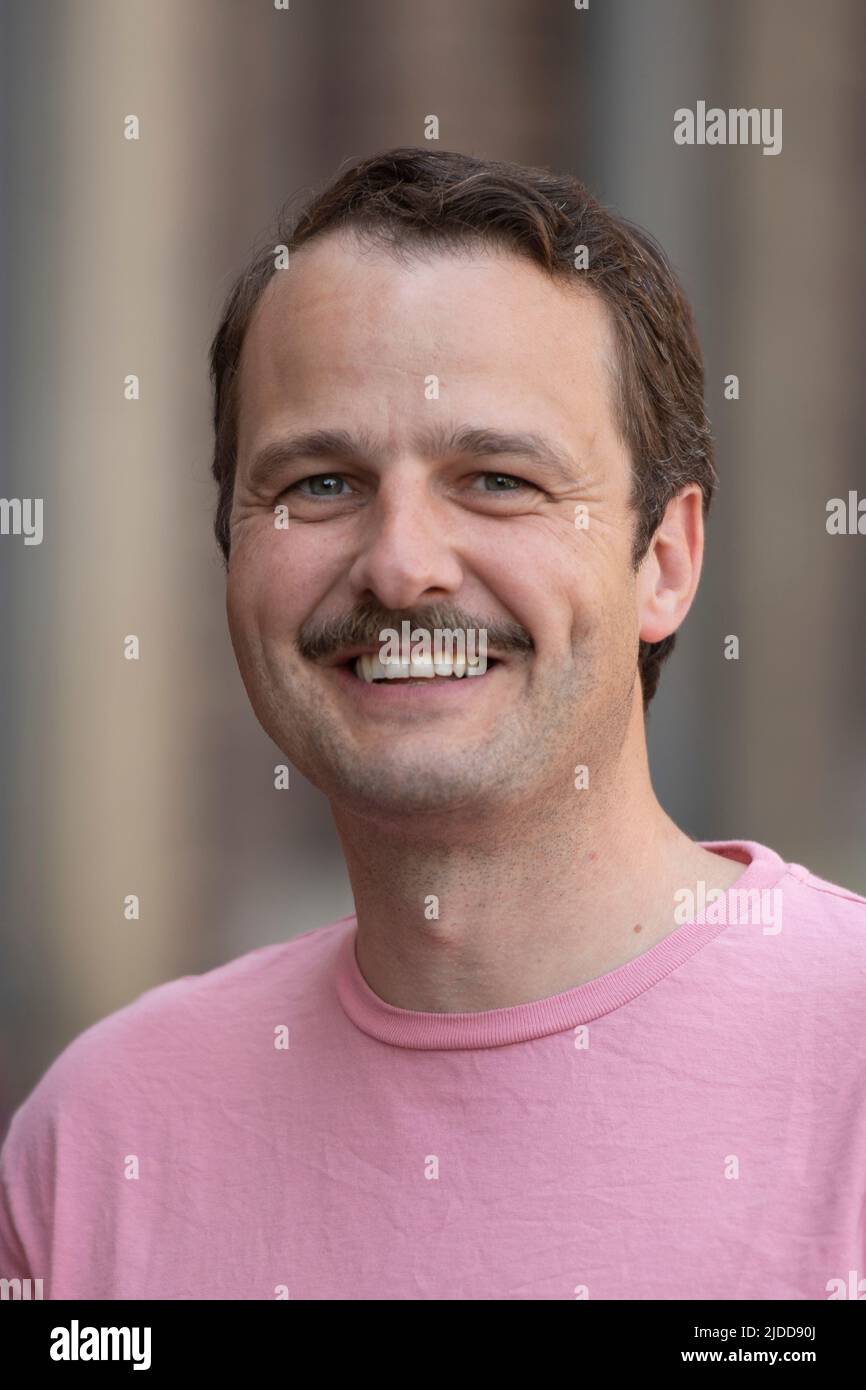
371 671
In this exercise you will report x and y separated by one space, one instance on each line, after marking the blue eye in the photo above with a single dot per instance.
332 485
505 482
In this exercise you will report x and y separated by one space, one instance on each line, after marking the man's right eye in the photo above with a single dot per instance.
321 485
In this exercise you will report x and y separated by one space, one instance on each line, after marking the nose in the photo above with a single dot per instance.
406 555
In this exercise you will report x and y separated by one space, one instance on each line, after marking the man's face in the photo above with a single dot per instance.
423 368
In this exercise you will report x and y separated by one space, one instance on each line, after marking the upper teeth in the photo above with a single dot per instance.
370 668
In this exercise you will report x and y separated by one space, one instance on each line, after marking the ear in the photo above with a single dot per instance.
670 570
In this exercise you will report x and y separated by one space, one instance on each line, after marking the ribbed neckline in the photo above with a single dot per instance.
559 1012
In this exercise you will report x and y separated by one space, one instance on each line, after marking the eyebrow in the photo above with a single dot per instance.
343 446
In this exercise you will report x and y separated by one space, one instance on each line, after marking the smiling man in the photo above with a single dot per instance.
462 396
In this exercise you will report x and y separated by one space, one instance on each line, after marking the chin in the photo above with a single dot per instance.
415 787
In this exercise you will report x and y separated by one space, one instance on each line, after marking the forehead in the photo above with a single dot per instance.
351 330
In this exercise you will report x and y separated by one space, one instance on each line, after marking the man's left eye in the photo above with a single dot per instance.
502 482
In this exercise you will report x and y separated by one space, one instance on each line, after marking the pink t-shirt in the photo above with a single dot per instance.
689 1125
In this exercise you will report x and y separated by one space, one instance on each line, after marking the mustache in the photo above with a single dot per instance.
327 636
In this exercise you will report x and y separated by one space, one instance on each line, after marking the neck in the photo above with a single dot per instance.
491 907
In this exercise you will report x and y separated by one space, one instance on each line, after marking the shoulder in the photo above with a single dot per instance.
814 906
826 915
193 1025
820 946
162 1065
830 898
795 942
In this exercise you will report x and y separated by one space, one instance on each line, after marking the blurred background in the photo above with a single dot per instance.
153 777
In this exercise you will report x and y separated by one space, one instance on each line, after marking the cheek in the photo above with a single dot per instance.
239 609
250 596
569 587
590 606
617 623
273 587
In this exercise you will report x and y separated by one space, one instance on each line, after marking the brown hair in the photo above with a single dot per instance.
442 200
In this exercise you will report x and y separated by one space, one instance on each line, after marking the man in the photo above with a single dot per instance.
562 1051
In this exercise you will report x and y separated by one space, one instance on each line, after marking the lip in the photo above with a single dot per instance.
424 694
